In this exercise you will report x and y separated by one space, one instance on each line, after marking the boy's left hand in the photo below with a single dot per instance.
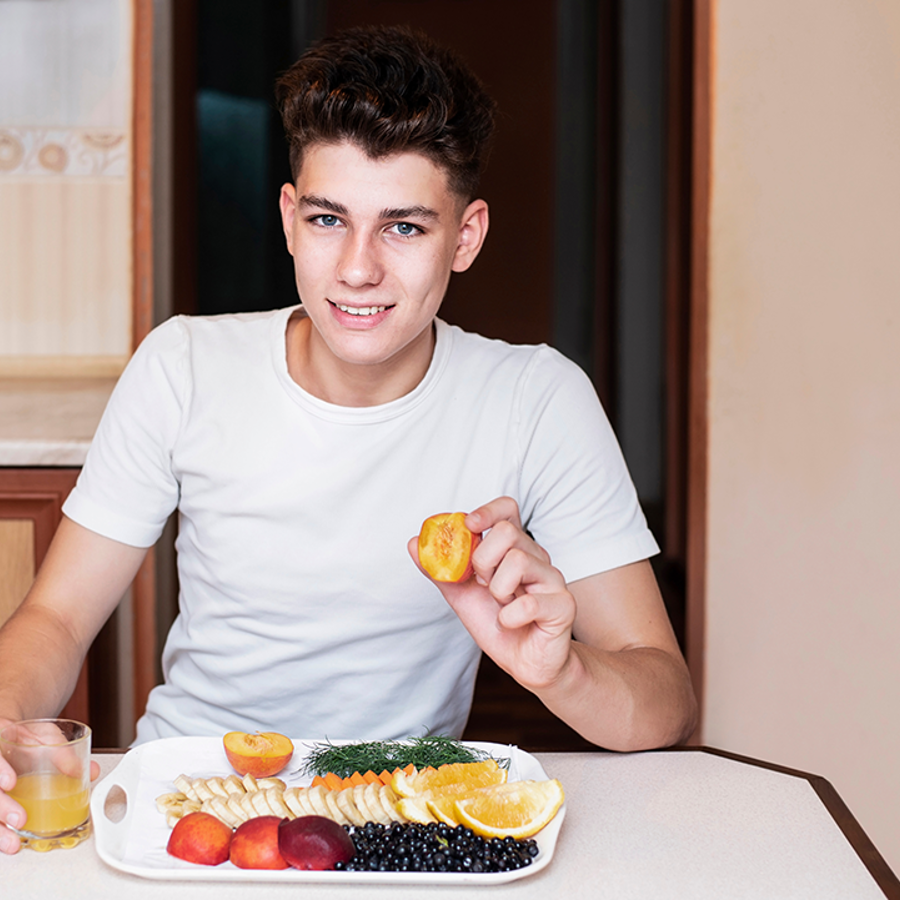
517 606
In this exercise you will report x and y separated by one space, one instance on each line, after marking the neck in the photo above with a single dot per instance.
315 368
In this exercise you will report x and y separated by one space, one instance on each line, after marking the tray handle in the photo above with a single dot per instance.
112 807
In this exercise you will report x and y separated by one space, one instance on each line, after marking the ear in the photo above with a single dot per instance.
473 229
287 203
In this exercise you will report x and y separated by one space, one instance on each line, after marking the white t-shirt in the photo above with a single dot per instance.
300 609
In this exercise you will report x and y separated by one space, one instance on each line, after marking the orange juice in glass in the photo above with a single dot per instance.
51 759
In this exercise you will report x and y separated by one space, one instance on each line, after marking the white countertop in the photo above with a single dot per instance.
50 422
662 825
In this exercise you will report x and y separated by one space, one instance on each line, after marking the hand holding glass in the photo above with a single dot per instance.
52 762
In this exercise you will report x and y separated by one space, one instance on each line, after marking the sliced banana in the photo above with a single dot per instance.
275 798
305 802
263 784
260 802
234 800
346 800
334 811
166 802
316 797
371 799
217 786
233 785
185 785
389 803
218 807
202 789
236 808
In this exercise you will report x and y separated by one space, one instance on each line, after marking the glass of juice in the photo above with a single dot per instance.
52 762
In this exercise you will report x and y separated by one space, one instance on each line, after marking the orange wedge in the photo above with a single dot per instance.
443 808
415 809
518 809
453 778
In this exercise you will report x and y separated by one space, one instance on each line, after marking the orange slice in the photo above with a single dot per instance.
453 778
443 808
518 809
415 809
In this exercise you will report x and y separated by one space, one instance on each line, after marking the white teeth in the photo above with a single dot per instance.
361 310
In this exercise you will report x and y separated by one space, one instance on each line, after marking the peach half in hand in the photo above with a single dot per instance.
446 547
261 754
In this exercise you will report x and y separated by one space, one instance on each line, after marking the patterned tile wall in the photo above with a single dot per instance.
65 164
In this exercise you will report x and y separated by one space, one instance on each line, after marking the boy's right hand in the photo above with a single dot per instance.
10 811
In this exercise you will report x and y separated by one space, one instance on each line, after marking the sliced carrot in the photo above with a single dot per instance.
386 777
371 778
356 778
409 770
333 782
318 780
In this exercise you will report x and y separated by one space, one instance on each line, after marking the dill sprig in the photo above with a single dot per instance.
431 750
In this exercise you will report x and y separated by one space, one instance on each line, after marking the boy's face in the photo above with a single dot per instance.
374 243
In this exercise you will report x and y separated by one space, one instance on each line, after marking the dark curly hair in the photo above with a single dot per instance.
389 90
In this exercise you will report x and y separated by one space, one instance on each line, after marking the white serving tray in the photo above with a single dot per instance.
136 843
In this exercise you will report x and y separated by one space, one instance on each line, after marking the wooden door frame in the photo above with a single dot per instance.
687 231
698 428
143 589
698 405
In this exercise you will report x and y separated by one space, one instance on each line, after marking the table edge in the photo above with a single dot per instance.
868 854
856 836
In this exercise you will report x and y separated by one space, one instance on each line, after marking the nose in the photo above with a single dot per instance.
359 263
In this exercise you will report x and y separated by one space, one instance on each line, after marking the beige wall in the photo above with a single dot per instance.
803 564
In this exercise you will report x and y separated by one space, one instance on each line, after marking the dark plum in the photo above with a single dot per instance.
314 843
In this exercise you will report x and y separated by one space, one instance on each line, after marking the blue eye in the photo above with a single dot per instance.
328 220
407 229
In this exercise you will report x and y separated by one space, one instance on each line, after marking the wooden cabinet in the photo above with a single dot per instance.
30 511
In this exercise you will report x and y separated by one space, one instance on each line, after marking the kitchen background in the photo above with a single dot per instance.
735 304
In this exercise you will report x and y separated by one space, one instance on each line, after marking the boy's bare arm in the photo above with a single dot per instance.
43 645
600 653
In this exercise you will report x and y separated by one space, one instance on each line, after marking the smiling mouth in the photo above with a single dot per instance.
360 310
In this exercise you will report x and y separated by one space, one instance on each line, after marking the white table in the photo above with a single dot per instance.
689 823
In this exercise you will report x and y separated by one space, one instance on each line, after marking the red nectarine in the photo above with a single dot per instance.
254 844
200 838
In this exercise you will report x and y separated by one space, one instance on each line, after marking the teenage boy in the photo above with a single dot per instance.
303 448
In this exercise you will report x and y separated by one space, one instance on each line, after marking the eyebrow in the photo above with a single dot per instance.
410 212
322 203
399 212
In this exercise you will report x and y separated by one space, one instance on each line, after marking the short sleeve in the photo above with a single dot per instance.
127 488
579 501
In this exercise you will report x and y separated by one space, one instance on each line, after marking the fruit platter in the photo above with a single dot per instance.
262 807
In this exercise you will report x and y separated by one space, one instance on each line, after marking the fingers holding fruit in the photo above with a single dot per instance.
519 572
501 518
517 607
